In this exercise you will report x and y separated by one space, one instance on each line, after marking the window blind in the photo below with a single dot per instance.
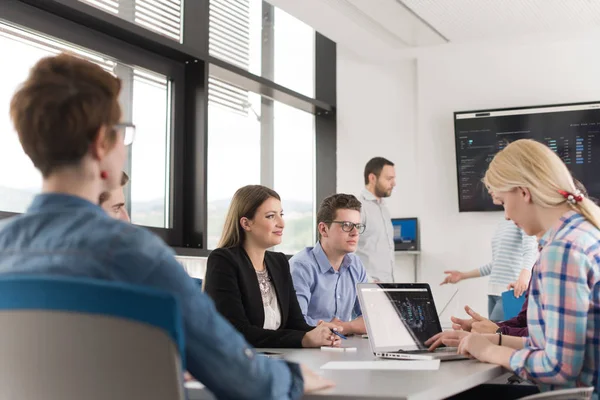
229 40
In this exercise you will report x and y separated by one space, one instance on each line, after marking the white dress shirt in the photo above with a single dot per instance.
376 244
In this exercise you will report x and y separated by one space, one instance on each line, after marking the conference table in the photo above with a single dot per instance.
451 378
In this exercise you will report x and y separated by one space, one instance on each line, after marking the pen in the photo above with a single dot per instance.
339 334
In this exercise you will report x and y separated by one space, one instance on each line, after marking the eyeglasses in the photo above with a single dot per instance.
128 131
348 226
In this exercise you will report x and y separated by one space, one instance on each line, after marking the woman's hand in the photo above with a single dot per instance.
520 285
452 277
475 346
448 338
321 336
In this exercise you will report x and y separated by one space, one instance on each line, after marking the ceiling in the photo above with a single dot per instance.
381 28
467 20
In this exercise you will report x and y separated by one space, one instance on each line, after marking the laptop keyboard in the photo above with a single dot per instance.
438 350
445 350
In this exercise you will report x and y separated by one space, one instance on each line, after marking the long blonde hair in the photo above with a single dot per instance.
245 202
532 165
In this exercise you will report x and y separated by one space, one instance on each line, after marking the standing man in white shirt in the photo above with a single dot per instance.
376 244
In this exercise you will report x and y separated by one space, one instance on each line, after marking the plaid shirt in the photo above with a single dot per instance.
563 349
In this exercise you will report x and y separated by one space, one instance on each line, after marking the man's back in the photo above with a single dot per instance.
66 235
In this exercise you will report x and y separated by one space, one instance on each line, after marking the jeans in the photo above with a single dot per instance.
495 310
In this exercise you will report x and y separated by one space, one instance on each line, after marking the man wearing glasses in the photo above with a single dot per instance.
325 276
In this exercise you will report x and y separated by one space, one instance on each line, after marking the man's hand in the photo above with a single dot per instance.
314 382
355 327
331 325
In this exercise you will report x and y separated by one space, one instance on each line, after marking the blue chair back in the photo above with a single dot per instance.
91 296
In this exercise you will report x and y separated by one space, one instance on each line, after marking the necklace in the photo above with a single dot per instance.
264 283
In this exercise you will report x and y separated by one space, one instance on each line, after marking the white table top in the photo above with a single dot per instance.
453 376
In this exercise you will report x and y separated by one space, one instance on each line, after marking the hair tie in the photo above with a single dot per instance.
572 198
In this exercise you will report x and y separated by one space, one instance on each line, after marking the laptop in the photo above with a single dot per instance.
399 318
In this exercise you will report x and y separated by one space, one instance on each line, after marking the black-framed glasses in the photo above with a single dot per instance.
348 226
128 130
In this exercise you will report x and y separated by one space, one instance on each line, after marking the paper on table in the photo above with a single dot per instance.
393 365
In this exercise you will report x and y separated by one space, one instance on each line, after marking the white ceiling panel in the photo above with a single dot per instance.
374 29
468 20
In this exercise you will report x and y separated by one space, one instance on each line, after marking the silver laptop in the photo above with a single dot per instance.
399 318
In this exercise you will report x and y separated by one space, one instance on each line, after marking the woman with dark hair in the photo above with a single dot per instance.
252 287
68 119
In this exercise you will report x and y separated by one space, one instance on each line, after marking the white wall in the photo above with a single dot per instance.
404 112
376 117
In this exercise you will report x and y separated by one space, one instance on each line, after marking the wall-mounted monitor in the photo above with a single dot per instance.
571 130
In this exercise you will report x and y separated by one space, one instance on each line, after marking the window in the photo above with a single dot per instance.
264 40
150 150
294 54
237 150
149 109
243 138
240 32
161 16
294 175
19 180
235 32
234 148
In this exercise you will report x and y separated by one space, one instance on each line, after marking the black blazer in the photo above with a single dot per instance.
232 283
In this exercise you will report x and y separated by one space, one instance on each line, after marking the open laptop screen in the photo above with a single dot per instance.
399 315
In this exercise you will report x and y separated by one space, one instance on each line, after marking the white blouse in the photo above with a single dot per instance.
269 298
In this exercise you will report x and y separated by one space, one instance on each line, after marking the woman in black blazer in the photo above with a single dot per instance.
252 287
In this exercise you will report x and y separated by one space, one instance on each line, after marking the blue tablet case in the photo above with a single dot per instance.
511 305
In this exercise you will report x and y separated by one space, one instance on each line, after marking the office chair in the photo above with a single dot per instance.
563 394
78 338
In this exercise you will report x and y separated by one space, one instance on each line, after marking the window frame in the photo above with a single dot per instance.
187 65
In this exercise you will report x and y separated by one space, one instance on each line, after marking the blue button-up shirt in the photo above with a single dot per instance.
323 292
66 235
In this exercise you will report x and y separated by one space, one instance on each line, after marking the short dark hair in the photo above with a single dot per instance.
329 207
104 196
59 109
374 166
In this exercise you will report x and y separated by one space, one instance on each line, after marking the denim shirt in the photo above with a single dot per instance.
66 235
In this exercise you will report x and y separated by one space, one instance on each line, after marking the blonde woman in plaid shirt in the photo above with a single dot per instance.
563 317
